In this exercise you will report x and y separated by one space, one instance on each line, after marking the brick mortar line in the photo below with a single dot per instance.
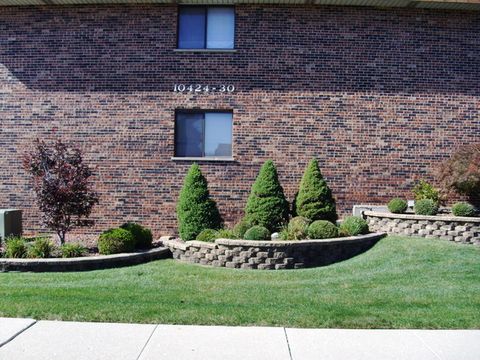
18 333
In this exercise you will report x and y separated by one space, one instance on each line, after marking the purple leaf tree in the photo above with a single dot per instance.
62 184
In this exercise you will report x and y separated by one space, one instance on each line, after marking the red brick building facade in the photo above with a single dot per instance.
379 96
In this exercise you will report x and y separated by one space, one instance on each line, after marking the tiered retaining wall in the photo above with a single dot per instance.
270 255
452 228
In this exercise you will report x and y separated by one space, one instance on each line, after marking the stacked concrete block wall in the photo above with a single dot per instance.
453 228
270 255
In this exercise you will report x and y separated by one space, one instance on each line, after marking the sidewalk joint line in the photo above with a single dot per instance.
18 333
426 345
146 343
288 343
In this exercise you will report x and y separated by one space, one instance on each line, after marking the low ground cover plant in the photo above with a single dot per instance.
71 250
15 247
40 248
208 235
463 209
426 207
397 206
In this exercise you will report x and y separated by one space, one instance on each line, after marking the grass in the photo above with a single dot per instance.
400 283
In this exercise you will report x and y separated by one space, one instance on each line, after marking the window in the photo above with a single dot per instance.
201 27
203 134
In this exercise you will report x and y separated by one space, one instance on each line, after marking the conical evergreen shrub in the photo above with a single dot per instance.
196 211
266 205
314 200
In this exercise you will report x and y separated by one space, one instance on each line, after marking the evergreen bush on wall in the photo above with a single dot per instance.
196 211
266 205
314 200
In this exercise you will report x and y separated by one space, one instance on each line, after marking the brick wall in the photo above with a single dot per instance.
377 95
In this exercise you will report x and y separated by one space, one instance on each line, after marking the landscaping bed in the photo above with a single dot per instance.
271 255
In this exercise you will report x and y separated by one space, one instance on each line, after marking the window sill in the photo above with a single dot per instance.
206 158
206 50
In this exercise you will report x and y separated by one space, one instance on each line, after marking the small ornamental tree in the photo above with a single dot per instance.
266 205
62 184
314 200
461 173
196 211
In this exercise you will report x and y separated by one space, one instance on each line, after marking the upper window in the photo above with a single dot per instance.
205 27
203 134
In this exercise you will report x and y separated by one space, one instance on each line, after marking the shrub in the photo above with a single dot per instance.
397 206
314 200
208 235
143 236
296 229
257 232
426 207
196 211
241 228
41 248
62 184
322 229
72 250
225 234
461 173
424 190
463 209
353 226
266 205
15 247
114 241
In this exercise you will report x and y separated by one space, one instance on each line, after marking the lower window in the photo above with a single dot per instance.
203 134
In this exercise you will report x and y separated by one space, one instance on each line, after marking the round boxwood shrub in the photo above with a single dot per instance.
353 226
257 232
397 206
314 199
114 241
241 228
208 235
266 204
322 229
143 236
463 209
196 211
426 207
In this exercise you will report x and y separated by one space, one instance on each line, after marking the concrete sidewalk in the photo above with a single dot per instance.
30 339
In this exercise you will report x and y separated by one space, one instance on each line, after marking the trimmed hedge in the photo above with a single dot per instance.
322 229
463 209
353 226
426 207
397 206
115 241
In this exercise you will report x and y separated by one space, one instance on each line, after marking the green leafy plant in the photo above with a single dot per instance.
15 247
70 250
114 241
426 207
266 205
296 229
143 236
397 206
40 248
226 234
257 232
424 190
314 200
353 226
208 235
322 229
463 209
241 228
196 211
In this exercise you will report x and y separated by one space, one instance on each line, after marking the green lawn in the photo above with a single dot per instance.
400 283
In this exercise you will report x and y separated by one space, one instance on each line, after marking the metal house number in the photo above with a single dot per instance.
198 88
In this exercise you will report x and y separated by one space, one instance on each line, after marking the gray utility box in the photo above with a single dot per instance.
10 223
